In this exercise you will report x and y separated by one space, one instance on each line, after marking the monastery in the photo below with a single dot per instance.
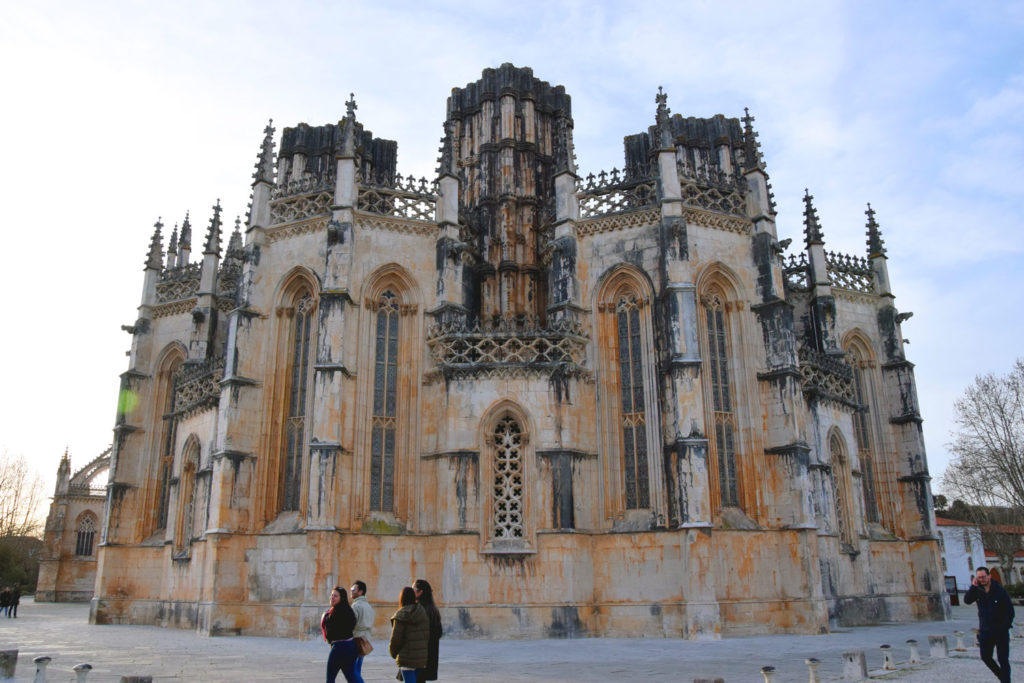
605 404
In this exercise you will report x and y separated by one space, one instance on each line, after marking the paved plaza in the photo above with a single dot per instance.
62 632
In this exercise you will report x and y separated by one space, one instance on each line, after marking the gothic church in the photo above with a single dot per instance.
606 404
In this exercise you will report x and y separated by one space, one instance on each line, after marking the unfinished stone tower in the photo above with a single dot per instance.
579 405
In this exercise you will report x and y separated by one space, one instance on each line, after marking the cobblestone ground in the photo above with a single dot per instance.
63 633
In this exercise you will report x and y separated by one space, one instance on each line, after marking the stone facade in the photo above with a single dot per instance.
67 569
578 405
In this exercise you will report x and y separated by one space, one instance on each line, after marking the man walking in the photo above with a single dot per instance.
995 619
364 620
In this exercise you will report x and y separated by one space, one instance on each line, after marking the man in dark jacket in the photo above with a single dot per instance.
995 619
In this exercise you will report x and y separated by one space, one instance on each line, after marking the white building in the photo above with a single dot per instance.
962 552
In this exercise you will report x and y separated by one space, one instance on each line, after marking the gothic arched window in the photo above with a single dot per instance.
187 496
633 425
85 535
167 431
724 418
300 340
840 481
862 435
507 495
385 399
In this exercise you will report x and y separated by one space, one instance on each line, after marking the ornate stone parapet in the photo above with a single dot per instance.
197 386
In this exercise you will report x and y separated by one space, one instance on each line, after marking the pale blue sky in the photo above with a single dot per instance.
116 113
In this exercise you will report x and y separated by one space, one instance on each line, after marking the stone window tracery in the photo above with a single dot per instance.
85 535
862 435
187 497
166 443
840 474
634 416
724 441
385 400
298 383
507 498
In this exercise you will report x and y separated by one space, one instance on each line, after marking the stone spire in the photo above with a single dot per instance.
565 151
446 160
185 243
63 474
663 119
751 147
265 160
213 233
812 229
876 247
172 248
155 258
235 243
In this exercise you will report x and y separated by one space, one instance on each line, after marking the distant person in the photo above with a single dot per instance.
410 632
364 622
425 597
15 601
337 624
995 619
5 600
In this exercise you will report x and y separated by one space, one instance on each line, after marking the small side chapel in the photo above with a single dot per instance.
609 404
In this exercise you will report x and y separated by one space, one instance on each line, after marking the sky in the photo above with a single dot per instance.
117 113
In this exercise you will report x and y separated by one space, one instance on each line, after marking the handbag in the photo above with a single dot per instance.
363 646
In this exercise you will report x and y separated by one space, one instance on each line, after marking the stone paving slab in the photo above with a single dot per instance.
62 631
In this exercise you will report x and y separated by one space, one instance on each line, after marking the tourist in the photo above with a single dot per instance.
995 619
410 631
337 624
12 609
425 597
364 622
5 600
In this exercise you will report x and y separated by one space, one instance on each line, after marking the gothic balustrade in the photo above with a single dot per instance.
398 195
178 283
197 386
829 376
633 188
712 190
795 271
507 342
850 272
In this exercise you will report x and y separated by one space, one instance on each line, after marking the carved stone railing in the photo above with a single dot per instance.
178 283
633 188
712 190
510 343
228 278
830 377
400 196
850 272
308 184
196 386
795 271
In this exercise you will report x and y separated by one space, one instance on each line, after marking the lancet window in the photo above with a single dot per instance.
862 435
298 383
840 480
166 440
507 500
385 398
724 417
85 535
633 412
187 496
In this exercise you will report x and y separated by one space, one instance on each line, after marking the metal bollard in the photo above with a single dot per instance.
888 662
768 672
41 662
959 641
938 647
915 656
81 671
855 666
8 662
812 665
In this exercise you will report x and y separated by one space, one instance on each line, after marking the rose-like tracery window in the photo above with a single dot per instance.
508 480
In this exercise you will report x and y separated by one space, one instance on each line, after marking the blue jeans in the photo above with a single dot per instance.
358 670
1001 643
343 659
408 675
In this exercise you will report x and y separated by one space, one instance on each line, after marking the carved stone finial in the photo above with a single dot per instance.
812 229
751 147
565 153
172 246
265 159
876 247
186 233
213 232
155 258
350 107
662 119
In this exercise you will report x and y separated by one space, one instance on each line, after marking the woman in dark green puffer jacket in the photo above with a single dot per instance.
410 634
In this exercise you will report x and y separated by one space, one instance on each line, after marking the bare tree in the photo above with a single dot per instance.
987 471
21 493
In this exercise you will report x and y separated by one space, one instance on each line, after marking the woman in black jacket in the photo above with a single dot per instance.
337 624
425 597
